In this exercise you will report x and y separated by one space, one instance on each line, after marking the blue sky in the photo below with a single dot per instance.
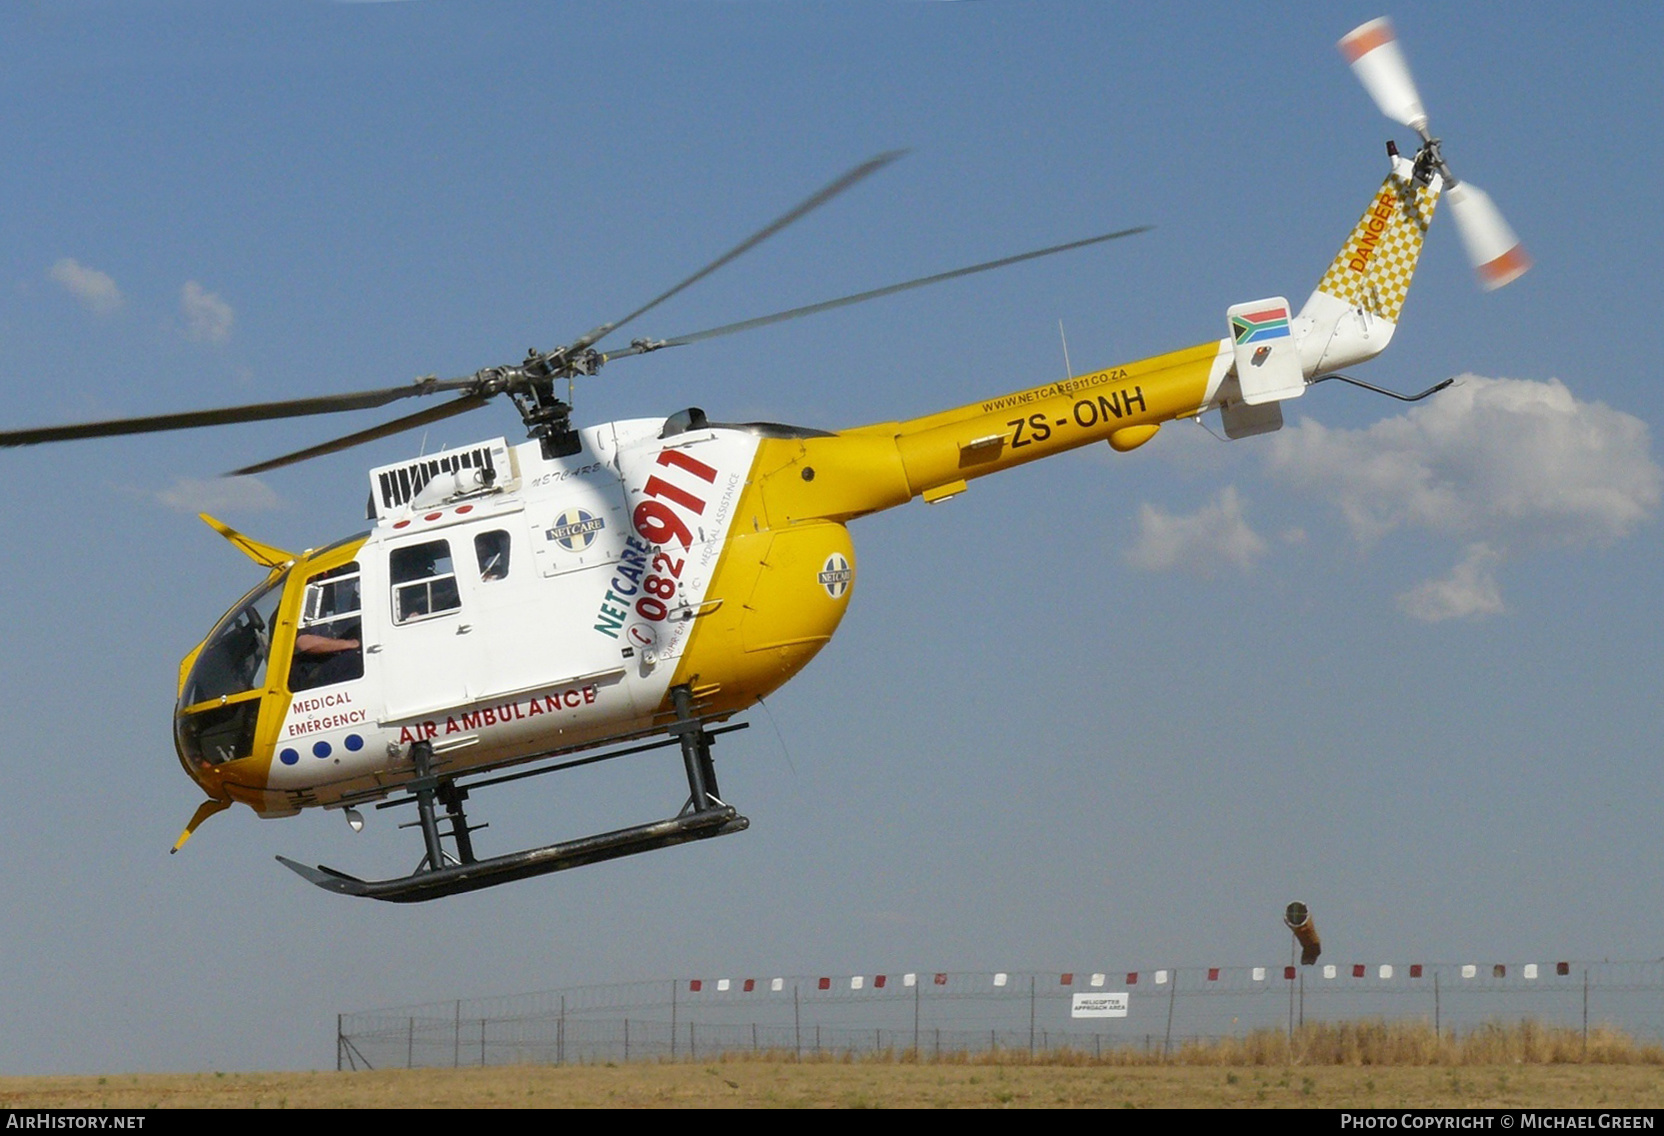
1108 710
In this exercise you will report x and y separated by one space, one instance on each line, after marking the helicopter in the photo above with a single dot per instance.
520 609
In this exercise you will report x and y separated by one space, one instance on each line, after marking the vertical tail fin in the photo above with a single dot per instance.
1356 306
1372 271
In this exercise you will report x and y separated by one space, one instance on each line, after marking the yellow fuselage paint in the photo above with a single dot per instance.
774 616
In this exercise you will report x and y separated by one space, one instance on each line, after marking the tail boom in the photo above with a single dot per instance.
1348 319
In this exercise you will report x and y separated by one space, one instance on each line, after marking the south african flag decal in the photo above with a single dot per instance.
1256 327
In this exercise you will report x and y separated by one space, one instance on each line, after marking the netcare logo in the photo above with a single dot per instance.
575 529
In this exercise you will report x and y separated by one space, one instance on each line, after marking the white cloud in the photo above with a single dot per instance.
1213 537
96 290
219 494
1510 461
1500 464
1469 592
207 317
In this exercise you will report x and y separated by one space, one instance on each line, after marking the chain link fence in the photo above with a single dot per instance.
936 1014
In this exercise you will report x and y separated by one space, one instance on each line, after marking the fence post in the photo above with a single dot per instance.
410 1043
1585 1010
797 1023
338 1032
916 991
1436 1021
482 1043
560 1033
456 1038
674 985
1031 1015
626 1039
1172 993
1291 1000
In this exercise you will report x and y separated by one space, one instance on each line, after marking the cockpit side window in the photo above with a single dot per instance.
328 641
491 550
424 581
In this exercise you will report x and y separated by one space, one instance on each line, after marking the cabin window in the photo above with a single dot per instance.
491 550
424 581
328 642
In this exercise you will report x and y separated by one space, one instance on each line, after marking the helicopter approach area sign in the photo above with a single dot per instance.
606 590
1105 1005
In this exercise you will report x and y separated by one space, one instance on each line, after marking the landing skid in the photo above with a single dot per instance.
440 874
459 878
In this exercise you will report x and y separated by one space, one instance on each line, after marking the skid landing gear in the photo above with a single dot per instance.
440 873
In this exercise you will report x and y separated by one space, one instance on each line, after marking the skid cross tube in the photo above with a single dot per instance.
573 764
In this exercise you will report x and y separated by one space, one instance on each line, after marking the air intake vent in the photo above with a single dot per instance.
393 487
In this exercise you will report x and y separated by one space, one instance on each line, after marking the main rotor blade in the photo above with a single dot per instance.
860 297
860 172
397 426
252 412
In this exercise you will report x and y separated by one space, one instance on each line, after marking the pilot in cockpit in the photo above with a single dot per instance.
327 644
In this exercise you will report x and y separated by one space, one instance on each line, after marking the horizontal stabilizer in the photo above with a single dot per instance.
1244 421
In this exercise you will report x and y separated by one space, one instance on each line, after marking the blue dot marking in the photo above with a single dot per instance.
288 757
354 742
321 749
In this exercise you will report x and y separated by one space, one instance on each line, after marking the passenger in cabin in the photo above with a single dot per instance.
491 550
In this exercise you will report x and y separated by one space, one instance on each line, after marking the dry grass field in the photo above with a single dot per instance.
1369 1065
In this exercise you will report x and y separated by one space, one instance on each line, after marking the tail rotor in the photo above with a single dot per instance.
1494 251
1372 50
